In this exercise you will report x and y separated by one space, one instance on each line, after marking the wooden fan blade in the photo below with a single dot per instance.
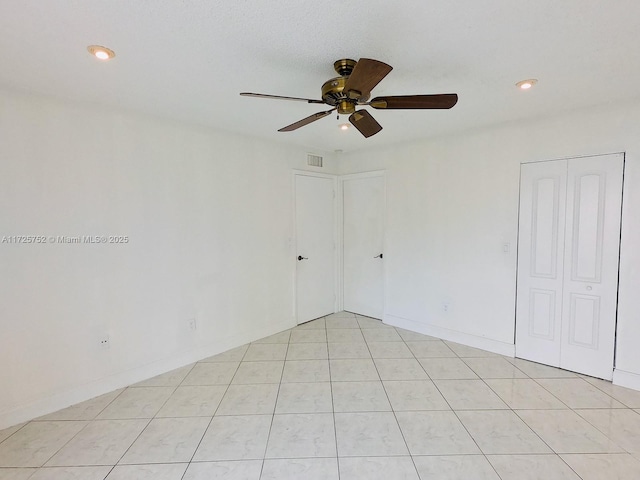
365 123
306 121
278 97
446 100
366 74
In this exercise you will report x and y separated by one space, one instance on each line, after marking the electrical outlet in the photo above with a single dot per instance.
445 307
105 343
192 324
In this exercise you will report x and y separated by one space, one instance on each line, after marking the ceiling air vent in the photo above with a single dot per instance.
314 160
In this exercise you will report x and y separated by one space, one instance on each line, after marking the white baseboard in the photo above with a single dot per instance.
495 346
626 379
71 396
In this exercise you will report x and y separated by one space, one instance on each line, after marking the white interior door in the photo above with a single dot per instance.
540 260
568 263
594 193
363 256
315 245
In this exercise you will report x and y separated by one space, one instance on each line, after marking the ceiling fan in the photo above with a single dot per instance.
352 89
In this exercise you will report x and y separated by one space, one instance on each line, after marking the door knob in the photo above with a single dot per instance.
300 257
378 256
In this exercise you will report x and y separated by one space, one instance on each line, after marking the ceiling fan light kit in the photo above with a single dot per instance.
352 89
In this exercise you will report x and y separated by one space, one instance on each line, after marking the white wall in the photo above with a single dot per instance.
453 202
209 221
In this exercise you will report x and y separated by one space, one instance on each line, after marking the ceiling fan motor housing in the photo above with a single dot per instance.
333 90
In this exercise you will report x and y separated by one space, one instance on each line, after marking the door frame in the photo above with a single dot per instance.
518 251
294 242
340 219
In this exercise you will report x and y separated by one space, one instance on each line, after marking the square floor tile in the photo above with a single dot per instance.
233 355
630 398
7 432
501 432
302 436
494 367
532 467
389 350
300 468
537 370
258 372
371 434
36 442
524 394
193 401
435 349
345 335
469 395
305 371
342 323
409 336
360 397
237 470
356 370
435 433
621 426
83 411
71 473
367 322
577 393
342 314
167 440
235 438
209 373
308 336
102 442
464 351
307 351
158 471
349 350
566 432
169 379
304 398
16 473
455 467
137 402
312 325
377 468
266 351
249 400
415 395
447 369
400 369
282 337
604 467
381 335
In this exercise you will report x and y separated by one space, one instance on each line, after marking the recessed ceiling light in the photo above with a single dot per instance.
526 84
103 53
344 126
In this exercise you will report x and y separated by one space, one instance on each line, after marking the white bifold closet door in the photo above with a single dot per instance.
568 256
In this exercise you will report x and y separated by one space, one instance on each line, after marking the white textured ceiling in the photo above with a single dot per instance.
188 59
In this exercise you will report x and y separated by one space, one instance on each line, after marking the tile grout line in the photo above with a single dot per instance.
214 413
456 414
391 405
333 407
275 405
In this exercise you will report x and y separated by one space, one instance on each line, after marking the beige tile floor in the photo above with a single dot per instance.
343 397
